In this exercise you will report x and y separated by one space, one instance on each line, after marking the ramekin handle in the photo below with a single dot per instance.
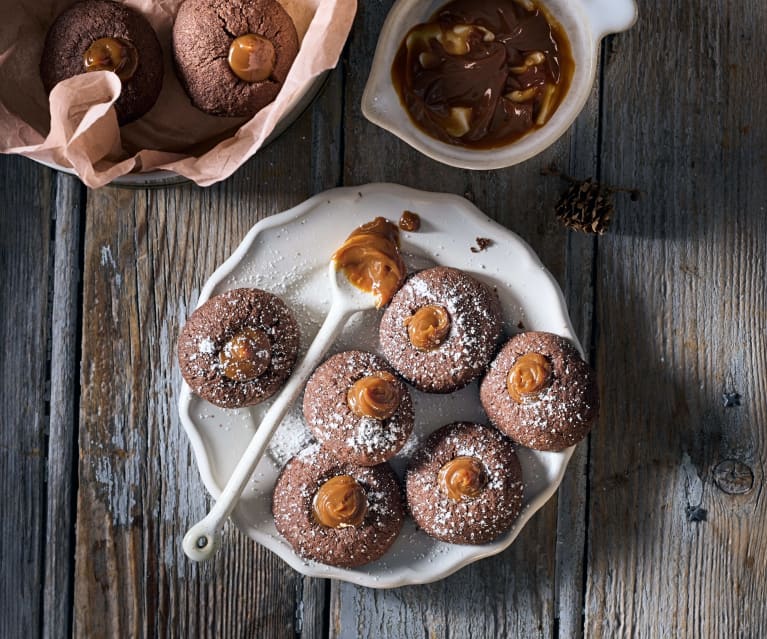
610 16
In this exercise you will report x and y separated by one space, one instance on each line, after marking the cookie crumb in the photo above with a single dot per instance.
482 244
410 221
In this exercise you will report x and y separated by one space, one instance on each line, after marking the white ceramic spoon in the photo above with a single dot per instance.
201 540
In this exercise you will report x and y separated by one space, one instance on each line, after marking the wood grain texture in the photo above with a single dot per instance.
147 255
579 293
512 594
682 310
657 530
64 390
25 260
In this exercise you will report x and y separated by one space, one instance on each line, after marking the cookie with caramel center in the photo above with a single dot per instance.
441 329
238 348
336 512
232 56
464 484
540 392
357 407
100 35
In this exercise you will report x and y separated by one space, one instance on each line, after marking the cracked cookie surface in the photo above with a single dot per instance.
82 24
202 35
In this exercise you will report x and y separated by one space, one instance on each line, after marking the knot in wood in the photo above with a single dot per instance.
733 477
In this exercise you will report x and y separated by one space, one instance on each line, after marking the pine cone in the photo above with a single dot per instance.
586 206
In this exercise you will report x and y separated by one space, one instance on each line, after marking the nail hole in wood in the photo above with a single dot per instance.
733 477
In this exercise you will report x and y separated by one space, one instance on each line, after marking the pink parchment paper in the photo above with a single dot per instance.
76 126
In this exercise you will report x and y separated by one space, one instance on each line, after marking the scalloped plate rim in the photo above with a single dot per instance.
358 576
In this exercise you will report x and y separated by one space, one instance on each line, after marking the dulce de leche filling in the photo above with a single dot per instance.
246 356
377 396
252 57
340 503
462 478
371 260
111 54
530 375
428 327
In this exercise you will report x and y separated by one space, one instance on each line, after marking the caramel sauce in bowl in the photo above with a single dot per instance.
583 24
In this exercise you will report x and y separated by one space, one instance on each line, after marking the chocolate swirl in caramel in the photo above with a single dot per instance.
377 396
252 58
340 502
428 327
483 73
111 54
246 356
530 375
371 260
462 478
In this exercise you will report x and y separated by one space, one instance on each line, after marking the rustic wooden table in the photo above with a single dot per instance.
659 526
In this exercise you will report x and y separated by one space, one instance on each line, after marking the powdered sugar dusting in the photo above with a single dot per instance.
206 346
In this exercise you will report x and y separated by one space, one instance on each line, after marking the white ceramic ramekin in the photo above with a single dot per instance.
586 22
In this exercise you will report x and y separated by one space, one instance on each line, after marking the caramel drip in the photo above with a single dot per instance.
462 478
377 396
252 58
530 375
246 356
371 260
428 327
111 54
340 502
410 221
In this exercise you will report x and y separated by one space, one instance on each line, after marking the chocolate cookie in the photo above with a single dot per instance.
357 408
334 512
96 35
464 484
232 56
540 392
441 329
238 348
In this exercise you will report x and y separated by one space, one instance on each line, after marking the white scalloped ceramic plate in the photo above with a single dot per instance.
288 255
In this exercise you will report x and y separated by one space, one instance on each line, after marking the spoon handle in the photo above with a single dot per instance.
201 540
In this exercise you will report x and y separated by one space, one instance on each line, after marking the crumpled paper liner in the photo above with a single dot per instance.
76 125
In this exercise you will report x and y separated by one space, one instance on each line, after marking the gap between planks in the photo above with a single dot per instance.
61 485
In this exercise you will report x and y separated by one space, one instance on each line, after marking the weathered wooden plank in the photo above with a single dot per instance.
147 254
682 310
69 207
25 261
514 593
579 293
